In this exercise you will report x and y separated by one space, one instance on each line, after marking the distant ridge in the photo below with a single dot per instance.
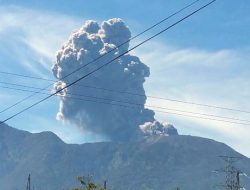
155 163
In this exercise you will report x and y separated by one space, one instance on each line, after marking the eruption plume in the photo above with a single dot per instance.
127 73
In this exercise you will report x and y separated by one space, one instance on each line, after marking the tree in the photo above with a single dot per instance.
87 184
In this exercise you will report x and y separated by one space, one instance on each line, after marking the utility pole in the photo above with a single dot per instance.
28 183
232 174
105 185
238 180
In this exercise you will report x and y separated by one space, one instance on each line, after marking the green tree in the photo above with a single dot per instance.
87 184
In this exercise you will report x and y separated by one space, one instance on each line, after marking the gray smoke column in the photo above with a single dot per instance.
127 73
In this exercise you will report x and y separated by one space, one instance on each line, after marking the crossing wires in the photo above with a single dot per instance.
109 62
116 91
96 59
135 105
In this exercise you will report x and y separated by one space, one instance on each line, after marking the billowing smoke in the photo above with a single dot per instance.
99 113
157 128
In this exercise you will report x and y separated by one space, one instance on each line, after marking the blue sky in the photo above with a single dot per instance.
205 59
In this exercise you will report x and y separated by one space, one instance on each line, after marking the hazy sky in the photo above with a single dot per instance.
203 60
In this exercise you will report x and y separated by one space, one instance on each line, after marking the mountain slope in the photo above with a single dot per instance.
158 163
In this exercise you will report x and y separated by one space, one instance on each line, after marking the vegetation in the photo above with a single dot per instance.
87 184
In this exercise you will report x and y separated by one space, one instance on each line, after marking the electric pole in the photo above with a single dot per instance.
232 174
28 183
105 185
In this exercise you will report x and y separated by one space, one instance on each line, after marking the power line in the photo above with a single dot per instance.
26 76
72 95
136 106
96 59
130 93
106 64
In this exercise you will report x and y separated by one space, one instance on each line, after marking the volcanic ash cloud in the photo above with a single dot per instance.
99 113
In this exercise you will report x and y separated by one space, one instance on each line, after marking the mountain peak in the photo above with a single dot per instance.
158 162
